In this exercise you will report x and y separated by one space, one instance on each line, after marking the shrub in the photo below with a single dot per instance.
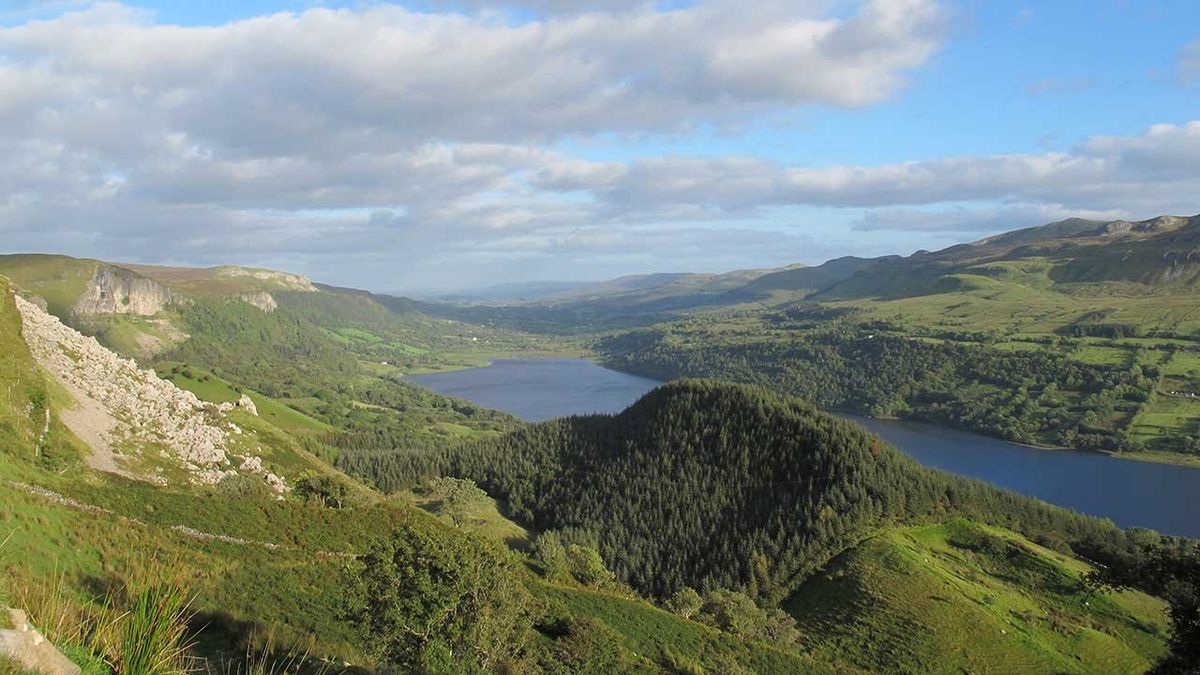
737 613
548 549
430 602
588 646
685 602
586 565
322 489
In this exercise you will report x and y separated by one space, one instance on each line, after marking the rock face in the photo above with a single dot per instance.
291 282
24 645
260 299
121 406
113 290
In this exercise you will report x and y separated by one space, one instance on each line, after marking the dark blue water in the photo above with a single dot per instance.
1165 498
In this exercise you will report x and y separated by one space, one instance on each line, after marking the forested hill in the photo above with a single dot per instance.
707 484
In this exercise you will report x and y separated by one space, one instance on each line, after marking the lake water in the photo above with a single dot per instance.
1158 496
541 389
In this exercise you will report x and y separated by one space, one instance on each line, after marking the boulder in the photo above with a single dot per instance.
25 646
246 403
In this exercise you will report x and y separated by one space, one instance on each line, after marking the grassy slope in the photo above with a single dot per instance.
1020 312
293 592
58 279
657 635
1026 313
25 396
210 388
218 281
21 386
922 600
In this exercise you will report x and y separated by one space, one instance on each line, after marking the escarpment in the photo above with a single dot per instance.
113 290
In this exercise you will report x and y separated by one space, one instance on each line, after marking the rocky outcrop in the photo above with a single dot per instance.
146 405
254 466
245 403
113 290
1152 226
260 299
26 647
121 406
281 280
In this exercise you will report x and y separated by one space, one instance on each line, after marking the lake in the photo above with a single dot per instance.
1159 496
541 389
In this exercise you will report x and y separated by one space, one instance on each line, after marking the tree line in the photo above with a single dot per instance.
1027 396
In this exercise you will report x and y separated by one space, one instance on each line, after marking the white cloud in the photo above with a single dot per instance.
124 137
1157 170
381 143
330 81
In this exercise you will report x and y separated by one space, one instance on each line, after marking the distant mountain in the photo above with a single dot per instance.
1156 255
802 280
636 286
530 291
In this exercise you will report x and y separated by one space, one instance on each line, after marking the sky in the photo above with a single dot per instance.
443 146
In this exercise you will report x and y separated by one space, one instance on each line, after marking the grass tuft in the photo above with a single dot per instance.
149 636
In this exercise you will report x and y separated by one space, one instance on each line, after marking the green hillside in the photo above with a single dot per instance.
984 336
28 427
699 481
282 581
60 280
324 362
1077 334
959 597
671 537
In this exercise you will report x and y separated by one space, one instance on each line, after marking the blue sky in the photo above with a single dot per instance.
556 144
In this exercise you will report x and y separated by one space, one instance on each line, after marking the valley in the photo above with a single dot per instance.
1078 334
357 474
533 337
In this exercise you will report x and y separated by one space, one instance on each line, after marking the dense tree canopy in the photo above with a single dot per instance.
713 485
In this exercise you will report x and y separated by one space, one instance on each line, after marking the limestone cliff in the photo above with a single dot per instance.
282 280
113 290
260 299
